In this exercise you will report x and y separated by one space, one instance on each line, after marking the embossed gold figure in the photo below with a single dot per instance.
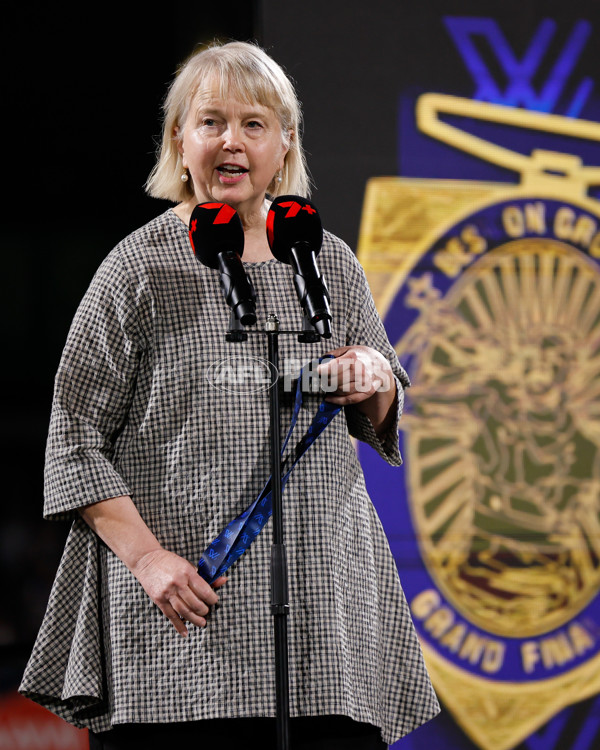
505 406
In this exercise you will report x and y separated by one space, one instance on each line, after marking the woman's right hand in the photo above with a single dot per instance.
172 582
177 588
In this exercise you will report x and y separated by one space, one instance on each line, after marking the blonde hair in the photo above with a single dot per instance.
245 72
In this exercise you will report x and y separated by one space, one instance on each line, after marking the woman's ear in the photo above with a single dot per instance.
287 142
290 139
178 138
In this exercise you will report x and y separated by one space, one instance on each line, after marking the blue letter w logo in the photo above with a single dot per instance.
519 89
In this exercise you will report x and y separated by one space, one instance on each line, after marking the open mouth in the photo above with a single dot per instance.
231 170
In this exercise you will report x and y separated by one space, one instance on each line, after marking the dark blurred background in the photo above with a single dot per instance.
82 106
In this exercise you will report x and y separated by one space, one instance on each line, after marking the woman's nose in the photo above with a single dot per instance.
232 139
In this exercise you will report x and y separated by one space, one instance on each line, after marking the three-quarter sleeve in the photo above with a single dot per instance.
93 390
365 328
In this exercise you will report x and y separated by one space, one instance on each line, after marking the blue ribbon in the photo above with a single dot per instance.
239 534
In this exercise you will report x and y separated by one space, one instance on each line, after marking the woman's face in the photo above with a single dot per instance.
232 151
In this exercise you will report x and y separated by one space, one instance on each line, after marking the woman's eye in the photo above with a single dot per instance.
208 122
254 124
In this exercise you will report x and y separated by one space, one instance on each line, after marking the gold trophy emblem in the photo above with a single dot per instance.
495 293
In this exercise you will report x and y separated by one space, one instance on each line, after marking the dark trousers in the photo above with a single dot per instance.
306 733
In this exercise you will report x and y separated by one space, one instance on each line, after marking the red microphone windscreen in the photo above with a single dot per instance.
213 229
293 220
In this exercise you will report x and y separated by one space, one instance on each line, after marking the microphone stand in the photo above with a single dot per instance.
279 577
279 580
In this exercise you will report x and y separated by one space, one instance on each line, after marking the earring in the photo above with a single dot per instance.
279 177
184 177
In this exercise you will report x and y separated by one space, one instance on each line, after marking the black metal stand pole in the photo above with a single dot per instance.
279 575
279 579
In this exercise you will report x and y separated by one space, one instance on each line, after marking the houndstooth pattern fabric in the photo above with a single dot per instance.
134 413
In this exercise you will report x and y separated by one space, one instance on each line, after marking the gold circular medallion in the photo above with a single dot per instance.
504 437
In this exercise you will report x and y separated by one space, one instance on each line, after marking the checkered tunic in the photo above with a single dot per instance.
134 413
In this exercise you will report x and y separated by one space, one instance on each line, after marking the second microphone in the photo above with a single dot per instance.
295 236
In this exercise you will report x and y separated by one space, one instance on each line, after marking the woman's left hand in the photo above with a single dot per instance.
355 374
362 376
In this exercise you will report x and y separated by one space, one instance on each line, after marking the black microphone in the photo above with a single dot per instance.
217 238
295 236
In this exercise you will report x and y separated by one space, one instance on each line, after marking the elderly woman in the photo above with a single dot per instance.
151 462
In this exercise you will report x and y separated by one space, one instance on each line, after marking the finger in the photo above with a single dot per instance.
353 398
337 352
175 619
195 615
341 358
221 581
351 381
338 377
203 590
191 603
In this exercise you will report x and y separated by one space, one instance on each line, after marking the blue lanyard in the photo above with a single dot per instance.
239 534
